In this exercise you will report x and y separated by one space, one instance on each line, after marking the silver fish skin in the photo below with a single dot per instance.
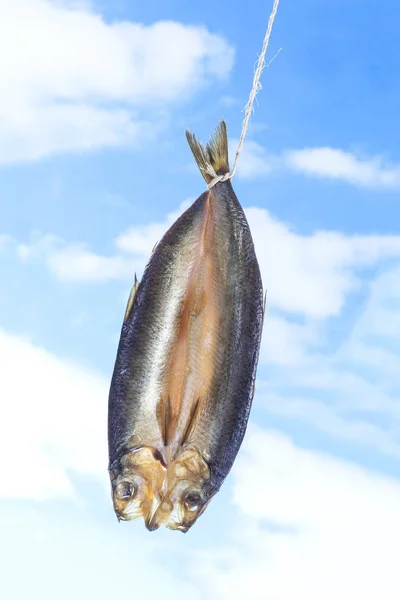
184 375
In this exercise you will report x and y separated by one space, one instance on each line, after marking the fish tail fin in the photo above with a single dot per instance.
213 157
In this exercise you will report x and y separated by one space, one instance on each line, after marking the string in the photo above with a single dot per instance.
256 86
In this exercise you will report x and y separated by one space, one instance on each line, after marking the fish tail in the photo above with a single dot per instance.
213 158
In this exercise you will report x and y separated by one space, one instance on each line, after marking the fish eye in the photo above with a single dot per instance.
125 490
192 501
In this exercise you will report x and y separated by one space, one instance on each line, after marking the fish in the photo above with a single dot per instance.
184 375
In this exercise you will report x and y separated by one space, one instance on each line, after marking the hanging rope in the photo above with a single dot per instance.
256 85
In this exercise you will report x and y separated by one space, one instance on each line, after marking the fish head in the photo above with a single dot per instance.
137 483
186 502
187 493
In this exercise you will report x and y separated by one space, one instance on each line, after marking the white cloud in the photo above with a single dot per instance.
298 511
351 389
52 421
71 81
6 241
285 342
38 131
75 262
254 160
141 240
87 552
309 275
337 164
228 101
312 274
325 162
41 245
335 421
310 526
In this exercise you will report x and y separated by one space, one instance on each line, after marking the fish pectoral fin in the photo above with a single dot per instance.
168 422
191 421
131 298
165 418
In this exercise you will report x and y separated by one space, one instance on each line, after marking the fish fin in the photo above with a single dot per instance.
214 155
217 149
165 419
264 307
131 298
191 422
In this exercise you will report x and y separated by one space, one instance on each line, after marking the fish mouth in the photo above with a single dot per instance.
180 527
157 519
151 524
151 520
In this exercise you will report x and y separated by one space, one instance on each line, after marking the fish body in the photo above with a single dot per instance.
184 375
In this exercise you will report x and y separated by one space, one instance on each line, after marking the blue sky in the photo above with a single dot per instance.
95 98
